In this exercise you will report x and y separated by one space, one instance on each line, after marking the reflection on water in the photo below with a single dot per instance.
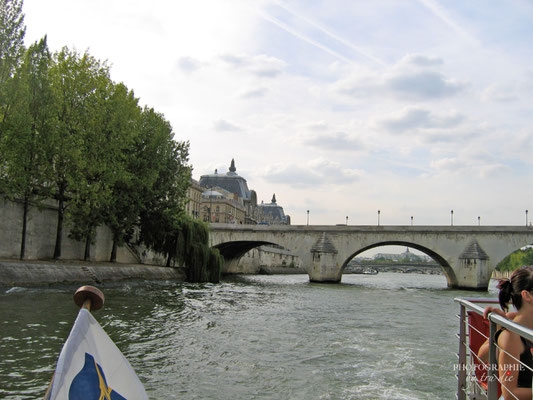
385 336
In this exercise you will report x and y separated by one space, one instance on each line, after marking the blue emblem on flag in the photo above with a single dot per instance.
91 384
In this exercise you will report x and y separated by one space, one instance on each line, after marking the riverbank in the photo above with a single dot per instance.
49 272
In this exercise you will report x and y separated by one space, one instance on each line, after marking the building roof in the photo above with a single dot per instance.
273 210
231 181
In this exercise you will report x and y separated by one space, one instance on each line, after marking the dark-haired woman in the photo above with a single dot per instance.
516 378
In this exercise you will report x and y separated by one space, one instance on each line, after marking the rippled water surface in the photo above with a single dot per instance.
386 336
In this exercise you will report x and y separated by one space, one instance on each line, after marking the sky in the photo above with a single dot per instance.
414 108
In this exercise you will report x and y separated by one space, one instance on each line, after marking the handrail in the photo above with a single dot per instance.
497 319
492 367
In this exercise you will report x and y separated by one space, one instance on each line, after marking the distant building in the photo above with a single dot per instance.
273 214
405 256
194 195
233 183
237 189
219 205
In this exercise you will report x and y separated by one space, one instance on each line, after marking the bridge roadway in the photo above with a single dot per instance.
467 254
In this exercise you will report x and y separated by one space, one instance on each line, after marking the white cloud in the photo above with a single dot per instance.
412 119
188 64
425 85
259 65
222 125
401 84
422 60
316 172
254 93
479 169
338 141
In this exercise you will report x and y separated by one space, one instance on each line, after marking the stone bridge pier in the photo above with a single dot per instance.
467 254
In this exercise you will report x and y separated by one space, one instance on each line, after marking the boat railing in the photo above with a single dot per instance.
469 384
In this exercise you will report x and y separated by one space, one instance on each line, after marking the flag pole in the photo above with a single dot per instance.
89 298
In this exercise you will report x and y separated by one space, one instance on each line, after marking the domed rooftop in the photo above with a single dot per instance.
273 211
231 181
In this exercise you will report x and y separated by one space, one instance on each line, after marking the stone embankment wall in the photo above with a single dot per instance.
41 236
38 273
40 243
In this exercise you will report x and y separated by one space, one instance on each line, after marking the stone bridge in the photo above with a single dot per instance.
467 254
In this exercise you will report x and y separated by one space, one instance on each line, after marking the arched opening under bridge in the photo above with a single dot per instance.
251 257
445 266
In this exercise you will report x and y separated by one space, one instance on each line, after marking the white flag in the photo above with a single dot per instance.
91 366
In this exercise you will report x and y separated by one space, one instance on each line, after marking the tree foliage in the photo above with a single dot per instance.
203 263
516 260
27 131
71 134
12 31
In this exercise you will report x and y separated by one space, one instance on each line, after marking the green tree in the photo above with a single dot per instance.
12 31
100 150
516 260
120 123
203 263
27 131
78 82
164 200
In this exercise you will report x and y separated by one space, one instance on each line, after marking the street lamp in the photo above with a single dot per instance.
307 217
451 212
411 220
526 217
346 220
379 212
478 221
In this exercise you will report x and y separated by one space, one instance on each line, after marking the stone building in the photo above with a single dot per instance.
236 184
194 195
272 214
219 205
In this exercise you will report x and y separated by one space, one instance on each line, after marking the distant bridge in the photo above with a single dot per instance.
467 254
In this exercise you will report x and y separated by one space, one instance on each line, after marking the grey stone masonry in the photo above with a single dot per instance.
323 245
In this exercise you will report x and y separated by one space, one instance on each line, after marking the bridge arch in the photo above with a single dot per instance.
446 267
239 257
236 249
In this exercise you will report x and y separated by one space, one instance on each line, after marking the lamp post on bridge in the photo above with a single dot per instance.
346 220
526 217
451 213
411 220
307 217
478 221
379 212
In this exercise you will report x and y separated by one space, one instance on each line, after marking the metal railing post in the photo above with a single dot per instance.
492 365
461 373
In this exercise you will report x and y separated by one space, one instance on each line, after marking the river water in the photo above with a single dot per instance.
385 336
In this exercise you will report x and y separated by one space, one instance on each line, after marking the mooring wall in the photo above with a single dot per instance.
41 237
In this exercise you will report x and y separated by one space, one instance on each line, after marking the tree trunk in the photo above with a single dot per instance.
59 234
24 227
114 250
87 255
